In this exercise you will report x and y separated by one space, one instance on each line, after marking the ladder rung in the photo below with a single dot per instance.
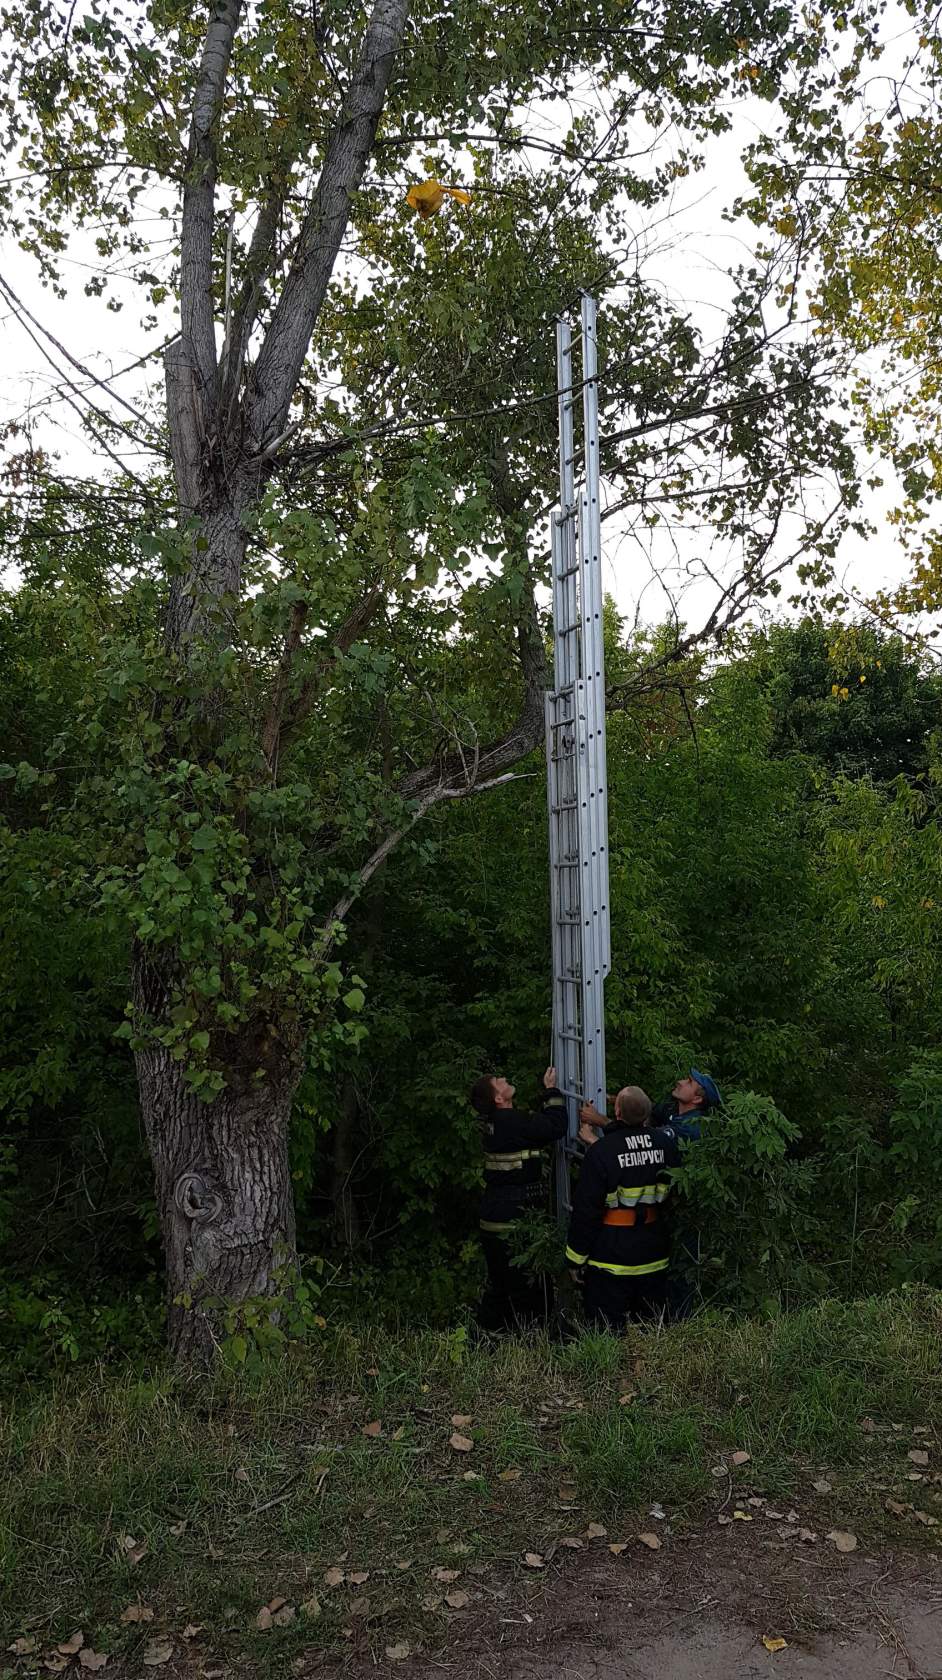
569 571
568 805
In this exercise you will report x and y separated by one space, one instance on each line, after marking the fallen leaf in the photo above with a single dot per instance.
619 1546
372 1371
191 1630
822 1487
915 1476
461 1443
137 1613
403 1563
843 1540
69 1646
807 1535
132 1550
445 1574
461 1419
359 1579
742 1516
397 1434
333 1577
918 1456
311 1607
22 1647
924 1518
756 1502
657 1512
740 1458
897 1509
572 1544
868 1426
157 1652
359 1606
429 196
458 1599
788 1532
460 1549
724 1521
533 1560
54 1664
568 1493
241 1474
719 1470
774 1645
775 1516
92 1659
179 1528
373 1429
471 1476
651 1541
397 1653
595 1531
510 1475
626 1399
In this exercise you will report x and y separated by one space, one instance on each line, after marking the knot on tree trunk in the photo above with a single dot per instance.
194 1198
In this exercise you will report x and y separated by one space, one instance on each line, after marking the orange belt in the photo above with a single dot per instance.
628 1216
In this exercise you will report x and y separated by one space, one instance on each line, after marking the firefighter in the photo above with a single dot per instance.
691 1100
514 1145
619 1239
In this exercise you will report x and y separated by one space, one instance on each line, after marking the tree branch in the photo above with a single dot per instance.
286 343
197 323
247 304
281 719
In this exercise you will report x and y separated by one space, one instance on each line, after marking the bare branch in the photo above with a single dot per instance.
197 321
286 343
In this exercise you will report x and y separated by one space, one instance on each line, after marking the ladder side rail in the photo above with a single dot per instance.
564 385
590 403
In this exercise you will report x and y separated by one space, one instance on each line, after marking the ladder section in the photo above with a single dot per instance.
575 748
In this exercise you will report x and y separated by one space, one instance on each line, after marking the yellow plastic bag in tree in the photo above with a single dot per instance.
429 196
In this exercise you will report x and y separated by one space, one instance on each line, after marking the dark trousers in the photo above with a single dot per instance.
513 1299
612 1302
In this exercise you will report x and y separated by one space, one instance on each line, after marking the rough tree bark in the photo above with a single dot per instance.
224 1195
221 1169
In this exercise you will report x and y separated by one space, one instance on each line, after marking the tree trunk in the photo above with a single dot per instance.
224 1195
346 1136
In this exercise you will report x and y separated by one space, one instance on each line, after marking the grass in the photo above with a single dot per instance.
253 1486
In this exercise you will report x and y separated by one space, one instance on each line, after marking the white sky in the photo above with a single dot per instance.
688 256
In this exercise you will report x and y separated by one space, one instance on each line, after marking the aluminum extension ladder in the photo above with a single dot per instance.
575 752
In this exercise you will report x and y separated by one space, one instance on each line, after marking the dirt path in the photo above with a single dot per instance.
701 1611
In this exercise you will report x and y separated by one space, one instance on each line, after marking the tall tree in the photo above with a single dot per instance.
357 421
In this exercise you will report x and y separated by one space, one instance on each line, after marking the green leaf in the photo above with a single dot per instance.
354 999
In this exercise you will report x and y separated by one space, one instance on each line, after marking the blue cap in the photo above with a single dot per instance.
709 1089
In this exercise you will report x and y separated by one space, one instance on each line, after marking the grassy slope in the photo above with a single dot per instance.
253 1488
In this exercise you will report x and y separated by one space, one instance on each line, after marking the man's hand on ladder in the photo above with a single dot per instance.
549 1078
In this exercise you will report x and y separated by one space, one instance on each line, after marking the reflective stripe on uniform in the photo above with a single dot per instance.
497 1225
508 1162
574 1258
629 1271
645 1195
